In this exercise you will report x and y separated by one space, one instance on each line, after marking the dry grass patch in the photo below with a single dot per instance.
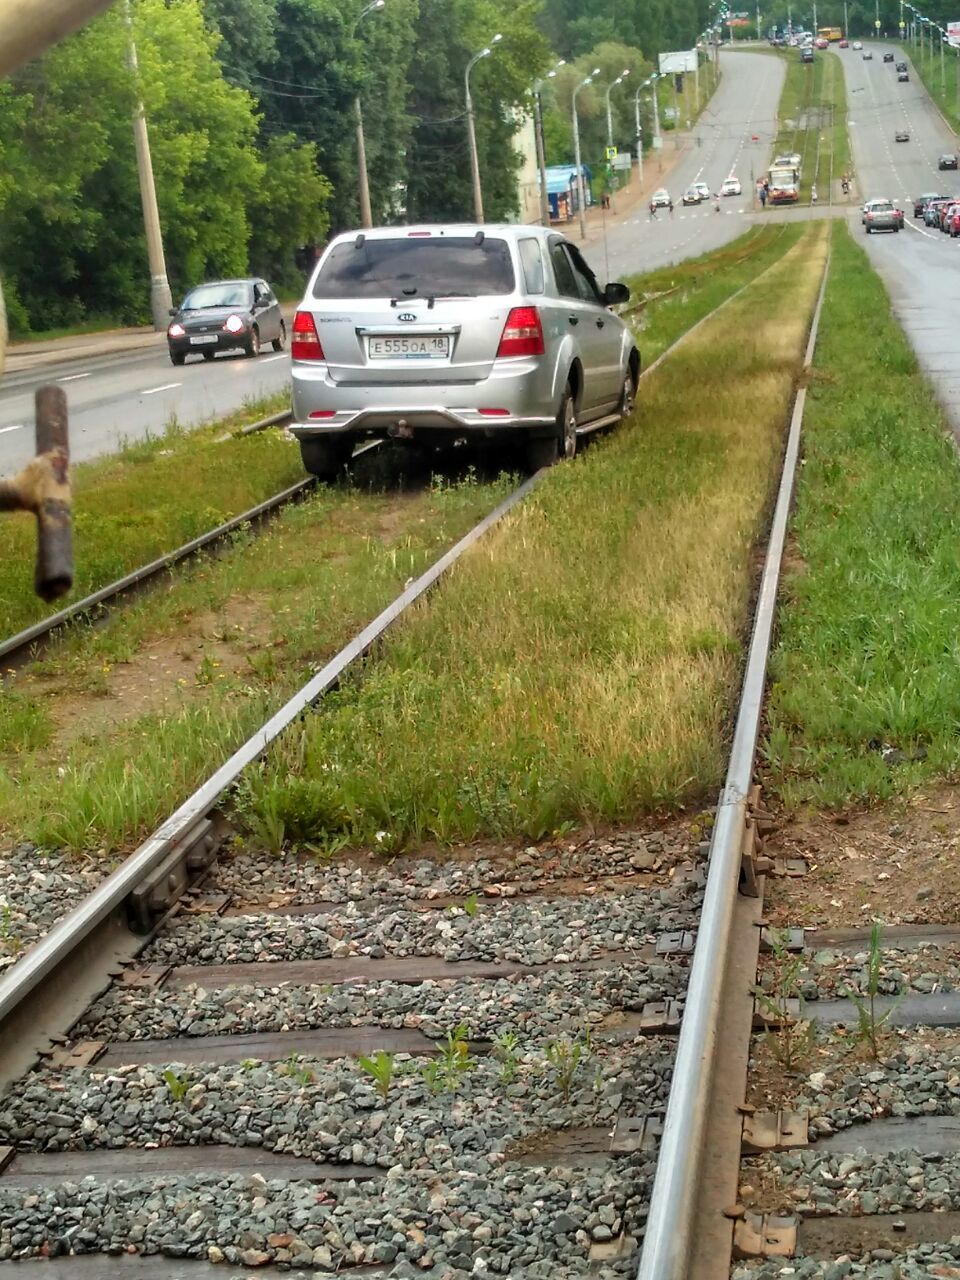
580 664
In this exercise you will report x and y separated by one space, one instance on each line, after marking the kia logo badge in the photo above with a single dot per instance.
406 315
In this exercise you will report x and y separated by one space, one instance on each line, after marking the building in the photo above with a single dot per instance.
562 192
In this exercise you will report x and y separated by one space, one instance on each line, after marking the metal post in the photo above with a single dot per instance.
541 156
656 108
846 24
160 300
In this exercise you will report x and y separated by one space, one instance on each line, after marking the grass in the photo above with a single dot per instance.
100 743
100 324
868 651
698 285
940 79
145 500
819 87
579 665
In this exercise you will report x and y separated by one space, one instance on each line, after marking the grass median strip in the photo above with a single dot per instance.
866 676
579 665
696 287
147 499
812 120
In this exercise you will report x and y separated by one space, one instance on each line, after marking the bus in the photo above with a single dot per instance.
830 33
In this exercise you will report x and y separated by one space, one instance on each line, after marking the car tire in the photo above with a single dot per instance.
544 451
325 459
252 347
281 342
868 230
628 395
177 357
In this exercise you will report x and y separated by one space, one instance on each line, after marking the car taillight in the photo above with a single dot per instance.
522 334
305 344
176 330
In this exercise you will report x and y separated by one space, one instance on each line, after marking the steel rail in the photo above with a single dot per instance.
46 955
18 646
75 931
667 1240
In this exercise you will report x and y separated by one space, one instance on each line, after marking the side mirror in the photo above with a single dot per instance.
614 294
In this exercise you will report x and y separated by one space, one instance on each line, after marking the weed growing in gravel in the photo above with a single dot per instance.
471 904
177 1084
445 1072
506 1052
563 1059
869 1026
295 1067
380 1070
792 1036
9 941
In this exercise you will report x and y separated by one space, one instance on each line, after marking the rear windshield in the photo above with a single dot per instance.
411 267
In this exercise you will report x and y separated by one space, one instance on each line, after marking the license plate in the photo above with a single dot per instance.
420 346
203 340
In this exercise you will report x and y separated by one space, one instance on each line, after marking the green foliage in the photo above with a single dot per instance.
563 1057
869 1023
869 625
294 1067
445 1072
506 1051
791 1036
177 1085
380 1070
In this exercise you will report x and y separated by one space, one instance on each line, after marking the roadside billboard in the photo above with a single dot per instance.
953 34
676 63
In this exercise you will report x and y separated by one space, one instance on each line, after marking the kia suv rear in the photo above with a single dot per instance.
427 333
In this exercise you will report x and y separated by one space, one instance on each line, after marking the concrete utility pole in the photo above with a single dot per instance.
656 107
366 213
846 25
471 128
619 80
160 300
638 130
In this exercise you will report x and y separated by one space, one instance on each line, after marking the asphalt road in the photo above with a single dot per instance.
920 266
744 106
126 397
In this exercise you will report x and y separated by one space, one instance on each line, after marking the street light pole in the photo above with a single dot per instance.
846 24
366 213
160 300
471 129
638 130
581 190
619 80
539 142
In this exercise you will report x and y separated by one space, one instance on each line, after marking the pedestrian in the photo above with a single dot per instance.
653 211
813 195
763 196
671 206
716 202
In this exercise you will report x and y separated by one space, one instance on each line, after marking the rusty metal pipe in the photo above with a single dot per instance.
43 487
29 27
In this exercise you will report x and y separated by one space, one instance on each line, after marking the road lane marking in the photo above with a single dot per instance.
167 386
74 377
17 426
269 359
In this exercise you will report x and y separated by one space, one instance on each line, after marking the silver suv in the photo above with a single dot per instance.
450 331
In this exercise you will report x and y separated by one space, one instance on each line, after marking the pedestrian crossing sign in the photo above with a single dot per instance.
611 153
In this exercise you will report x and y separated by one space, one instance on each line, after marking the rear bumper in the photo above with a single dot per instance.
518 395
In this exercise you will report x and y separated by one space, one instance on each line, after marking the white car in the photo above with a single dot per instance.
702 189
731 187
857 44
661 198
